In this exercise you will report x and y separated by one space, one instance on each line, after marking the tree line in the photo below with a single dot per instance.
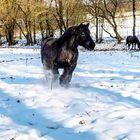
29 17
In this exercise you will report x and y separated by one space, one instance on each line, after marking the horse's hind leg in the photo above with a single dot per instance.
132 46
55 73
47 71
45 68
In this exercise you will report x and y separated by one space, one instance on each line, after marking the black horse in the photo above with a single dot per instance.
132 40
63 52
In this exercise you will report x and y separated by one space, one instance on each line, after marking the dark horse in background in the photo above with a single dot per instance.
134 41
62 53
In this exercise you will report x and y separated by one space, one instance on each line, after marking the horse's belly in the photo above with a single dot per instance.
62 64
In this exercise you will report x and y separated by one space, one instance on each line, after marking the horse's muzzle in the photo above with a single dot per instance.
90 45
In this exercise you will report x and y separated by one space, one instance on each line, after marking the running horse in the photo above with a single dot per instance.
62 53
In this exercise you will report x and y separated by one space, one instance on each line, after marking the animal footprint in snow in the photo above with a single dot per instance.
82 122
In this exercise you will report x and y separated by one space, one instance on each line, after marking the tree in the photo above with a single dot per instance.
107 10
28 19
93 9
25 24
8 15
46 20
68 13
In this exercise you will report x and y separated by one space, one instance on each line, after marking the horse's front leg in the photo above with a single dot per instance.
66 77
129 46
132 46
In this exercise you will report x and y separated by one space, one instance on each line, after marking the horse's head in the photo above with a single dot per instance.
83 36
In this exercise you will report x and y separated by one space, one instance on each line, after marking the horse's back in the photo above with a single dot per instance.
47 47
129 39
132 39
136 40
46 40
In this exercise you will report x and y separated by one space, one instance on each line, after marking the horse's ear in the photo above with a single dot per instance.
76 30
81 24
87 25
79 27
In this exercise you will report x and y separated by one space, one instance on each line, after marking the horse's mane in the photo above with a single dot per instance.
66 35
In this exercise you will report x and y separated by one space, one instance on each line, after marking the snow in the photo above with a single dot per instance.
102 103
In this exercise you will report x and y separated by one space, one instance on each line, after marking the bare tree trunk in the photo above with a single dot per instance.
9 31
61 16
21 30
101 24
20 34
27 34
97 20
48 28
118 37
34 31
134 17
30 33
97 29
0 39
41 29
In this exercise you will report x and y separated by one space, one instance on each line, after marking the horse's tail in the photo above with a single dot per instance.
44 39
43 44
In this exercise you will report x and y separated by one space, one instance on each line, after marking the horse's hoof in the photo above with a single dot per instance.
65 85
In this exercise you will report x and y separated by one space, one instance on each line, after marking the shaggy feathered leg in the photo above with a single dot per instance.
66 77
55 74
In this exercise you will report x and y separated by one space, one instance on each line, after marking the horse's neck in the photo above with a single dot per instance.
69 43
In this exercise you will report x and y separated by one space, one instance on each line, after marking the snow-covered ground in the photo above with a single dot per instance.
102 103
